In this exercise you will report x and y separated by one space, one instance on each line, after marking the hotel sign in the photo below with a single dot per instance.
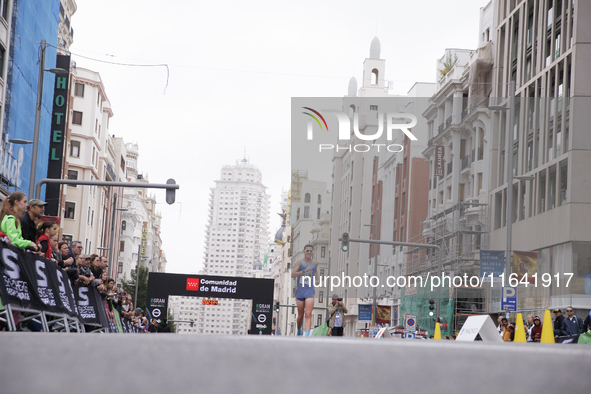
59 119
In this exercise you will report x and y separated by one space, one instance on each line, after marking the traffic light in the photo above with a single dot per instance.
345 242
277 307
431 307
170 193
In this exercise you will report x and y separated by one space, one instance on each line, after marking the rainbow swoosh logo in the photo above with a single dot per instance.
315 118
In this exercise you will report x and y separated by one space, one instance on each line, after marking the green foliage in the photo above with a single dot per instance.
448 64
142 291
171 324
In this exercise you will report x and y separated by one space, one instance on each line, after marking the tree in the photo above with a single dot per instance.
171 324
142 291
448 64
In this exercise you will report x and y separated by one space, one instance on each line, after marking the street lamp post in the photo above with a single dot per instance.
509 150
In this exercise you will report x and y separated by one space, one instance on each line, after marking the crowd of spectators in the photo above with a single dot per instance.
21 225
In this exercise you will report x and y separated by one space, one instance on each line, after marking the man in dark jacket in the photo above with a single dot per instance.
573 324
30 217
558 318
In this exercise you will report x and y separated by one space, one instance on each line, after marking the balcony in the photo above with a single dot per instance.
465 162
449 167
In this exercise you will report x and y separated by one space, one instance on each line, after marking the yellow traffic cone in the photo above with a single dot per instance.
437 332
547 329
519 329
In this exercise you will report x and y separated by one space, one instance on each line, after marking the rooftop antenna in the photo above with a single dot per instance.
244 160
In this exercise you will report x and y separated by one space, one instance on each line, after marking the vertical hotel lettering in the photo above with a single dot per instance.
56 143
144 241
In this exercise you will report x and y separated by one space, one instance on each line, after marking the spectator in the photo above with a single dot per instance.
587 323
337 312
30 218
558 319
47 230
75 250
511 332
163 326
500 326
528 325
104 264
95 266
536 330
12 208
505 333
86 275
572 324
153 327
56 256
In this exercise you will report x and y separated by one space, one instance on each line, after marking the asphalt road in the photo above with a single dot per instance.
169 363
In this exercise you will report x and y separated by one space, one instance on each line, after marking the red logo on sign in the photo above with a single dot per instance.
193 284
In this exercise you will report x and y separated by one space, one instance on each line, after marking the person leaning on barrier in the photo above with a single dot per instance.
30 217
13 206
336 312
572 324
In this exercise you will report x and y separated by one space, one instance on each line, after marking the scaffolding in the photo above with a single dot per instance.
461 231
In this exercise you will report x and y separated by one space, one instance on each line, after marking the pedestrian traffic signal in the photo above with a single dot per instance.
277 307
431 307
345 242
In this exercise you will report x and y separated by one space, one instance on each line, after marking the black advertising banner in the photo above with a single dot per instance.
15 287
64 289
42 284
58 127
88 308
260 291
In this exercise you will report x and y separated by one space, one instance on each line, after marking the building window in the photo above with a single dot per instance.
319 322
67 238
307 198
72 175
79 90
373 107
323 251
70 210
4 11
319 199
77 118
122 246
318 214
123 225
2 53
120 269
320 296
306 212
74 148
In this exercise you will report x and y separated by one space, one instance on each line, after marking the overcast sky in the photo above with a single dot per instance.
233 68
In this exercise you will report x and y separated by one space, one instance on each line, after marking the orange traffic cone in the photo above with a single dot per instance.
519 329
437 331
547 329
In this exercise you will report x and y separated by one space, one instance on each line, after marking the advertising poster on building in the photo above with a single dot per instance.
491 262
525 264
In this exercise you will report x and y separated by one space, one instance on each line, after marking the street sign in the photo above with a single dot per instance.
409 335
410 323
509 299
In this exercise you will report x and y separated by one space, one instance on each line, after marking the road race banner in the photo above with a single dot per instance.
15 287
43 284
91 309
64 288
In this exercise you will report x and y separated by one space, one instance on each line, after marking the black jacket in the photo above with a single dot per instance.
558 322
28 227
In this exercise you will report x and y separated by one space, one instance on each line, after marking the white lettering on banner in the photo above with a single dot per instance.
62 289
217 289
83 296
87 312
42 281
9 167
10 259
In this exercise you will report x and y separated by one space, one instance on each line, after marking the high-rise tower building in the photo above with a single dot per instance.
237 238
